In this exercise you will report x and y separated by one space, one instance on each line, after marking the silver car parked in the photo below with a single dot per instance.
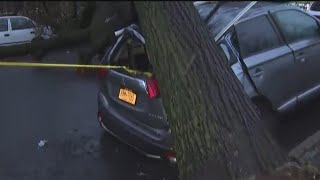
274 51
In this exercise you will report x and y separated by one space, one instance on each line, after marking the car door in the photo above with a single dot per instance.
22 30
302 33
4 31
230 46
269 61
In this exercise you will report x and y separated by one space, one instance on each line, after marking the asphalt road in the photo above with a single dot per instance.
59 106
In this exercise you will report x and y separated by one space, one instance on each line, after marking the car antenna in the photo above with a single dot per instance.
235 19
213 11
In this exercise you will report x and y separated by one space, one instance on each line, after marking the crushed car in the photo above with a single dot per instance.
129 105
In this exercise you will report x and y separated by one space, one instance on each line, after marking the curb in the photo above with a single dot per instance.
307 149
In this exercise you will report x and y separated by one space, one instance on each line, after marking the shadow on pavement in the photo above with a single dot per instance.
296 126
125 163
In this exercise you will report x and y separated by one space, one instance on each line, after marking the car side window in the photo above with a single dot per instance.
225 50
228 47
256 35
296 25
122 55
234 41
21 23
3 25
133 55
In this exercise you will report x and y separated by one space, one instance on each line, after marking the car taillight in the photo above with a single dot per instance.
103 72
152 88
100 116
170 155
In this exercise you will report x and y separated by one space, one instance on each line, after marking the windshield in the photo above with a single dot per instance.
228 11
225 14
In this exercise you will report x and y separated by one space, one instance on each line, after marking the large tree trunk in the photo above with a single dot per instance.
217 130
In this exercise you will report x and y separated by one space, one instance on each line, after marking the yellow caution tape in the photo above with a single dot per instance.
30 64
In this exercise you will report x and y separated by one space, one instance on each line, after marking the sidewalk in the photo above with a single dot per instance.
308 150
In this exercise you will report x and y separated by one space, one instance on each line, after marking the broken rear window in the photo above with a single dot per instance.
133 55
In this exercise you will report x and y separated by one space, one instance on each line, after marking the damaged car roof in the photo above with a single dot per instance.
228 11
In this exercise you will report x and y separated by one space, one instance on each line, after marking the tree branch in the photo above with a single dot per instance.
45 8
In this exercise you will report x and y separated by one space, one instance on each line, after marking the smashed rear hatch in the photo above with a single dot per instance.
133 96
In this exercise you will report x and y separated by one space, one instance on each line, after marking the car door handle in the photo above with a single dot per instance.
302 60
6 35
257 73
32 32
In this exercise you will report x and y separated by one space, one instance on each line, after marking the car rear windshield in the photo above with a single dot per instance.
133 55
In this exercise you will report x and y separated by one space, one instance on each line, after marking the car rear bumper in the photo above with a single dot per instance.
130 133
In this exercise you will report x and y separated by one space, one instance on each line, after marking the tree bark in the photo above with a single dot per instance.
74 8
217 130
45 8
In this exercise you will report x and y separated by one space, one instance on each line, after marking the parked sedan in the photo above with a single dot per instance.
272 49
20 30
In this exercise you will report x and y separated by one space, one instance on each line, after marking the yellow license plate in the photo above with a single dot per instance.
127 96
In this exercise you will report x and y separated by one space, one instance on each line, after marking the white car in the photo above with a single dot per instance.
315 9
20 30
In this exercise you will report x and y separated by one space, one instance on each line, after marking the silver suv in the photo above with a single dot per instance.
274 51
